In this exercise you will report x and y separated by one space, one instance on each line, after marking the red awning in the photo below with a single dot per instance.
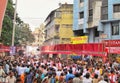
4 48
88 49
56 52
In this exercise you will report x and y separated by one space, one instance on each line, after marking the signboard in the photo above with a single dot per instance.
112 43
79 40
103 35
114 50
12 50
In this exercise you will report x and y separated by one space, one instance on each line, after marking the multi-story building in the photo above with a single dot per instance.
58 25
39 36
97 19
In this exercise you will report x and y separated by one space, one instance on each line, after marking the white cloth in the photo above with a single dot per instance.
102 81
10 79
85 80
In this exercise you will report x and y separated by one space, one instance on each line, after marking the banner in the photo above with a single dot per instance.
79 40
12 50
3 4
114 50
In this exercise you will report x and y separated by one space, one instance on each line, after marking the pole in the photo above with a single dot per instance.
14 23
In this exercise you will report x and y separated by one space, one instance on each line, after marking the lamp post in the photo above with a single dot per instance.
14 23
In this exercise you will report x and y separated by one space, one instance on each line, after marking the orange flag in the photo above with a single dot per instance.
3 4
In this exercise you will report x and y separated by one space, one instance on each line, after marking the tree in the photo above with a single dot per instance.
21 33
7 24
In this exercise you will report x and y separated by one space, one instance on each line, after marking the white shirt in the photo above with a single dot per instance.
10 79
102 81
85 80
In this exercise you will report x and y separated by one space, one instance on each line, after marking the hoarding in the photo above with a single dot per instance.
79 40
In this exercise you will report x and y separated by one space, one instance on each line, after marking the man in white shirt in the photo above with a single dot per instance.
11 78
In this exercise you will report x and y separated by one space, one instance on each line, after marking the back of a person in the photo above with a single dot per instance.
77 80
87 80
95 81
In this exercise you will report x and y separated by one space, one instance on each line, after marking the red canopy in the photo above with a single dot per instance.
87 49
4 48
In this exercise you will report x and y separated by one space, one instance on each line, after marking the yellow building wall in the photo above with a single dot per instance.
65 33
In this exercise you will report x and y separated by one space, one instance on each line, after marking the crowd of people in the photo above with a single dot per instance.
22 69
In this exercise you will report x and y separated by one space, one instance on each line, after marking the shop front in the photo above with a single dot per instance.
113 48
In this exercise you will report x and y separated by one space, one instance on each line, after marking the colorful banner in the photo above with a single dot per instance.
79 40
112 43
114 50
3 4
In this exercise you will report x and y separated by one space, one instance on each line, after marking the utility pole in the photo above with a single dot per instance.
14 24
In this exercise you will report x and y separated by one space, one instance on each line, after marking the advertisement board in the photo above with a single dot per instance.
79 40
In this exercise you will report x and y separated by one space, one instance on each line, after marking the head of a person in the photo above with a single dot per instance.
11 73
106 78
54 74
49 74
18 80
77 75
96 76
70 71
70 80
87 75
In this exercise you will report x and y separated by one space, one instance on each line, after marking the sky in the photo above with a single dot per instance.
34 12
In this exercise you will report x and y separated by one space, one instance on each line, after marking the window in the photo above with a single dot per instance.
115 28
96 32
66 25
90 15
116 8
58 14
104 13
57 28
81 1
81 15
104 2
66 39
91 12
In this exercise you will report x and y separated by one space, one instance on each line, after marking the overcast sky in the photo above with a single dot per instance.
34 12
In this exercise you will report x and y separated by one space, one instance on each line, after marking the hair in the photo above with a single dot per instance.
96 76
106 78
70 71
87 75
77 75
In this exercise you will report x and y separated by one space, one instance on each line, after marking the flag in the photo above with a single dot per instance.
3 4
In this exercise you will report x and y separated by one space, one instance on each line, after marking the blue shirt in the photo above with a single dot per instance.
69 76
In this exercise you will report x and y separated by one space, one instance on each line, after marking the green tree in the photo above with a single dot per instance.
7 24
21 32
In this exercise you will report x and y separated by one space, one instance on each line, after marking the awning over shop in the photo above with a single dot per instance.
95 49
4 48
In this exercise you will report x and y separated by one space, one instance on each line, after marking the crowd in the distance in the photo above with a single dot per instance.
18 69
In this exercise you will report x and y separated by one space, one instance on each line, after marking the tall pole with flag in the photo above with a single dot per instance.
3 4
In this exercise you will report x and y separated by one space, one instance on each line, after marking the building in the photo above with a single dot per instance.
58 25
39 36
97 19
